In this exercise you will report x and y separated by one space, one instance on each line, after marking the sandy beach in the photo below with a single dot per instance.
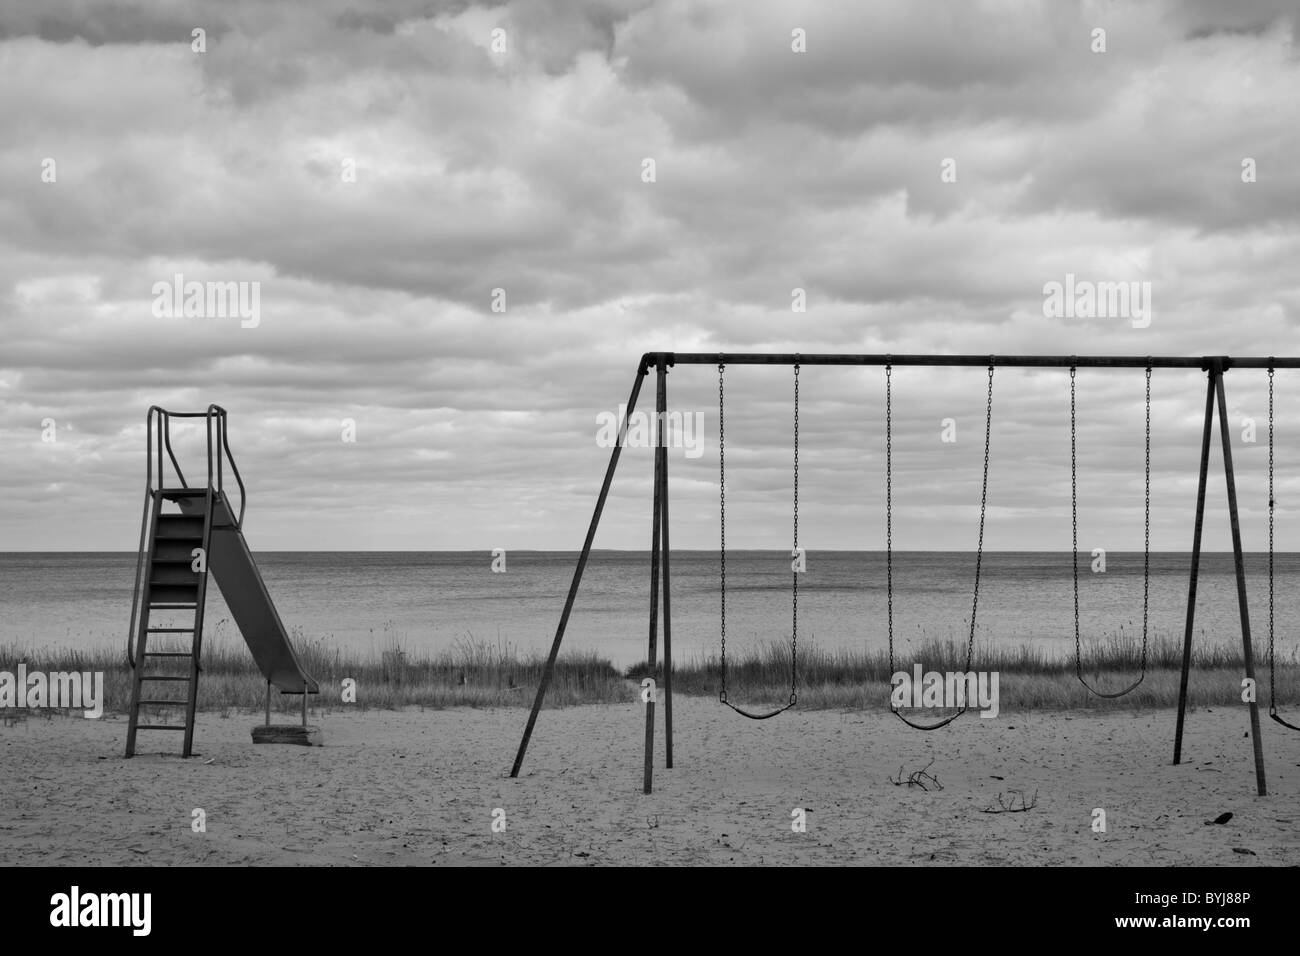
420 788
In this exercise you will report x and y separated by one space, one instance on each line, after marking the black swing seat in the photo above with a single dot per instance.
1116 694
753 716
943 722
1272 712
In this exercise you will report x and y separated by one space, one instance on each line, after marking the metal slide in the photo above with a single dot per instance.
241 584
178 549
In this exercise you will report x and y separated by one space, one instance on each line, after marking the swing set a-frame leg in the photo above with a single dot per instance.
663 544
658 559
549 669
1239 561
658 556
656 518
1216 368
1196 568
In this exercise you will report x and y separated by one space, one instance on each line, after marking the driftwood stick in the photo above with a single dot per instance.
918 778
1007 803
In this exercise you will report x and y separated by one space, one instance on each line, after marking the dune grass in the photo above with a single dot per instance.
470 674
482 674
1029 679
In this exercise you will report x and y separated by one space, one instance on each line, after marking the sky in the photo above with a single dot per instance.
458 226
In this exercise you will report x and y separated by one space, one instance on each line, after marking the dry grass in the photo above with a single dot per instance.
1028 677
480 674
472 674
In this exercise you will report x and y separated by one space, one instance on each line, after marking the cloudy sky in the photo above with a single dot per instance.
920 170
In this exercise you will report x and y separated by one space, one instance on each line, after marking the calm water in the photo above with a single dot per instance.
366 600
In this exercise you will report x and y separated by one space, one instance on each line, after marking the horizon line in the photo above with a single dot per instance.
674 550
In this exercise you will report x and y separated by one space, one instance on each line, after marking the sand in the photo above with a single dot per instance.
420 788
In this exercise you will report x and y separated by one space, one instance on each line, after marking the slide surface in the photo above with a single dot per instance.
235 571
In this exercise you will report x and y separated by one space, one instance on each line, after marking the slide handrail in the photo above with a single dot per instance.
223 453
159 439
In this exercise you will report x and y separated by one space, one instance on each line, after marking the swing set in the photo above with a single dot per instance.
660 362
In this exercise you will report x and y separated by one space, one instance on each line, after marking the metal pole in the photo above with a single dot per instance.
1239 561
268 703
304 704
668 625
200 606
549 669
651 653
1196 563
971 361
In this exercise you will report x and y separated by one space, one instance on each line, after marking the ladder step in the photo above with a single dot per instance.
161 727
165 703
164 677
172 527
186 493
169 654
178 550
173 594
171 606
173 575
171 630
182 592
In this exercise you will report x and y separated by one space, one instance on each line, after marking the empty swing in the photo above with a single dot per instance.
889 540
1272 652
1146 546
722 522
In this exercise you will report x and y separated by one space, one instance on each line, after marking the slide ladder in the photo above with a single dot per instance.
185 534
174 588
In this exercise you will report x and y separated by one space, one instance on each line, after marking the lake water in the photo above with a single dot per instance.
421 600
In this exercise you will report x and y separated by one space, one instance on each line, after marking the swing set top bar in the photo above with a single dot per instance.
1204 362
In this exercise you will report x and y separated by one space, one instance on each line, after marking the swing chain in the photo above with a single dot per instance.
889 509
1272 648
1146 529
1074 524
1272 669
794 613
984 497
722 523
